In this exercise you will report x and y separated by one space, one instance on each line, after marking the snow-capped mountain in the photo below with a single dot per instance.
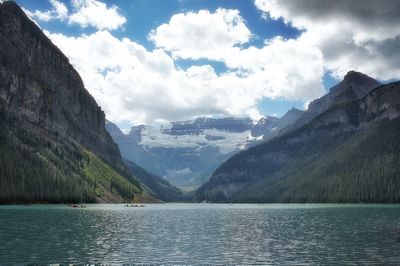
186 153
269 126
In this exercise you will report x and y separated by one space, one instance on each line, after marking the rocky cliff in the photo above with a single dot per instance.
354 85
269 126
53 143
39 85
201 124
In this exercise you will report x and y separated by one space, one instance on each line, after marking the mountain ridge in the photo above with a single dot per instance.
353 86
53 144
185 153
277 170
270 126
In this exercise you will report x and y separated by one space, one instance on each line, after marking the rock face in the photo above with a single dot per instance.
270 126
265 126
348 153
53 143
201 124
40 85
354 86
290 117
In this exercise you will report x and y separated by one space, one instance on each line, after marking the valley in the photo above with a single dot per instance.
56 145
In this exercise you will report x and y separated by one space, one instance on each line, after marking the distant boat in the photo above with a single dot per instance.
134 206
76 206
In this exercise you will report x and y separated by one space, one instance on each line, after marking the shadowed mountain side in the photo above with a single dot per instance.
53 143
354 85
159 187
349 153
269 126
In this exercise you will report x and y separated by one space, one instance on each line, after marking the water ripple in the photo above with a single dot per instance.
201 234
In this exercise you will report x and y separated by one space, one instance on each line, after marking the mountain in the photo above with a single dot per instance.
53 143
265 126
183 153
159 187
199 125
269 126
348 153
131 149
354 86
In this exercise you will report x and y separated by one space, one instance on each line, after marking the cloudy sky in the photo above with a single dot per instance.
148 61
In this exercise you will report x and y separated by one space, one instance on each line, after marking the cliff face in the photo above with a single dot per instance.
354 86
201 124
39 85
53 143
269 127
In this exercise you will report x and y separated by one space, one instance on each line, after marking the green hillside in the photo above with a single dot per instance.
159 187
52 170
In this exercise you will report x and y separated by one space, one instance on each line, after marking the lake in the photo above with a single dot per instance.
201 234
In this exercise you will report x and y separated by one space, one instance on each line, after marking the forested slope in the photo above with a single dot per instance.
53 143
349 153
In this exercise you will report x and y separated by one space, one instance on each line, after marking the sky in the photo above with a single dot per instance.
153 61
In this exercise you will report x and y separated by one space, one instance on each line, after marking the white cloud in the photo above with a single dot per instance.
141 86
59 11
85 13
129 82
202 34
134 84
97 14
361 34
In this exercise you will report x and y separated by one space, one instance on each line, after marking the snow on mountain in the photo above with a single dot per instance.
225 141
186 153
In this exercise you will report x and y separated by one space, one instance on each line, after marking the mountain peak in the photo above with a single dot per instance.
10 4
269 126
359 83
355 80
354 76
294 110
354 86
355 83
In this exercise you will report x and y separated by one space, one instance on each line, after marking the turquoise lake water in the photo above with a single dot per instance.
201 234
